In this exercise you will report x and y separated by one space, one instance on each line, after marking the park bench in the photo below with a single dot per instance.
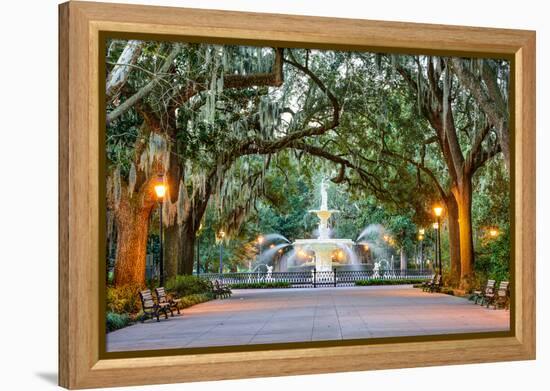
426 284
221 290
434 285
150 308
162 298
479 295
500 296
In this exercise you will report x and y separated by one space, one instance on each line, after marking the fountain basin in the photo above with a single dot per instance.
323 249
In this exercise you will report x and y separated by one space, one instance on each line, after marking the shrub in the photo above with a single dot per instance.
261 285
188 285
188 301
493 259
400 281
123 299
117 321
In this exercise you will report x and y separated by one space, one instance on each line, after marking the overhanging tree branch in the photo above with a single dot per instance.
368 178
121 70
490 101
145 90
423 168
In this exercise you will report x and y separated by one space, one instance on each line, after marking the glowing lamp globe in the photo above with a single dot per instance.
438 210
160 190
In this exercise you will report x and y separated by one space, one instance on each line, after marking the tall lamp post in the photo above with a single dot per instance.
221 235
160 190
438 210
421 233
435 263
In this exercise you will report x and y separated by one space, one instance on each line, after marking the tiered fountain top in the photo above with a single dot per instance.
324 244
323 213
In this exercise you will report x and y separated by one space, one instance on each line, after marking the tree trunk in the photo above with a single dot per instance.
186 256
133 225
180 249
454 240
172 236
403 256
171 250
463 195
188 232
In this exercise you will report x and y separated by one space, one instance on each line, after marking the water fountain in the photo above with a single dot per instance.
323 246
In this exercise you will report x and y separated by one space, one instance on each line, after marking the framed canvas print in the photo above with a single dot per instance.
247 195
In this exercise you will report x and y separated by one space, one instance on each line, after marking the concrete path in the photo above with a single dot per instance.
307 314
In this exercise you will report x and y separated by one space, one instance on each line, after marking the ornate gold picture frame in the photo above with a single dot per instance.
83 27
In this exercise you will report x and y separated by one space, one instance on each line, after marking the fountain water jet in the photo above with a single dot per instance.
273 237
267 255
324 246
371 230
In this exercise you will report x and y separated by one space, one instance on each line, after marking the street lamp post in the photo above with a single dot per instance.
438 210
160 190
421 233
435 264
221 235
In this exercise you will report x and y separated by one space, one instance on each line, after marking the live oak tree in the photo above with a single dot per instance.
386 135
216 121
252 132
149 152
464 136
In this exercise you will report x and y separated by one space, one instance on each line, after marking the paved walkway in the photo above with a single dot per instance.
297 315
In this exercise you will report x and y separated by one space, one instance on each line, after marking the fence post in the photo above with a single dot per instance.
315 277
335 277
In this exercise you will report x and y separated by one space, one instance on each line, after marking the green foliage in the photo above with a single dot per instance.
491 208
117 321
494 258
376 281
382 132
124 299
261 285
403 230
285 210
182 285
